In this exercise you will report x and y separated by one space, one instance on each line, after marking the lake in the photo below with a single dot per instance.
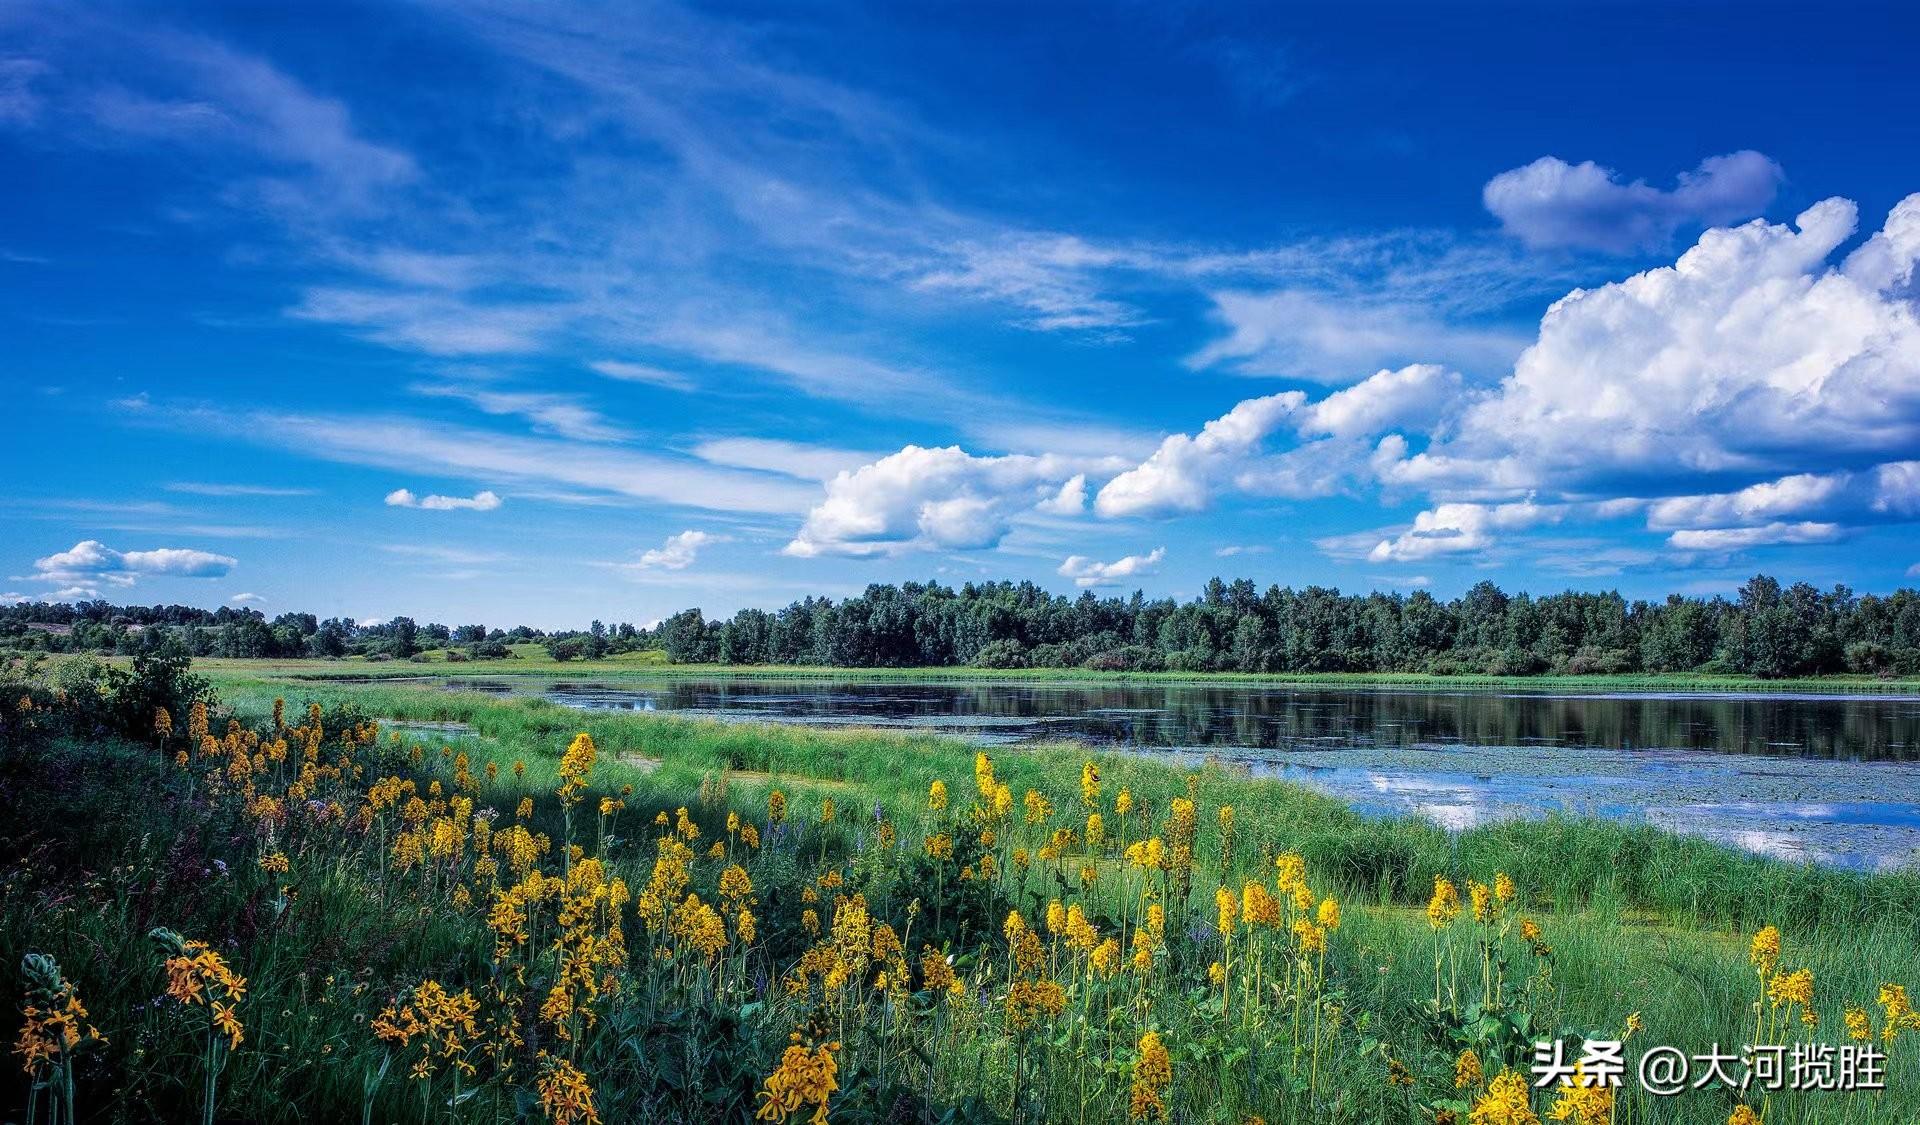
1831 779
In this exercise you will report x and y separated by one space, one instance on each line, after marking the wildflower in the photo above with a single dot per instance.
826 811
1039 809
1089 785
55 1020
937 973
1583 1101
1743 1115
1290 871
735 883
1152 1074
1096 830
1481 896
940 846
805 1077
1504 1103
1791 988
937 796
575 767
274 863
525 811
776 807
1105 958
1635 1025
1898 1012
162 721
1329 914
1531 934
1859 1025
1444 906
1123 803
1503 888
1398 1074
983 774
1029 1000
1764 951
1467 1074
564 1093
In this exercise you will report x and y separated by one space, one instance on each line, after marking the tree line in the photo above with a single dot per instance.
1765 630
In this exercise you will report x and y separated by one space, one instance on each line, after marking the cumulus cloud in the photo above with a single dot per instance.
1455 529
1087 572
1413 397
1186 471
90 561
1553 203
929 498
1751 363
677 553
483 501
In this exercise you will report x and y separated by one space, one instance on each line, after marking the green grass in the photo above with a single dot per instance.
104 845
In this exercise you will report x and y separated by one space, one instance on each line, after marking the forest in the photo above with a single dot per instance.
1766 630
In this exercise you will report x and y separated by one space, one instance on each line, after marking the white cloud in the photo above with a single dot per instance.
550 413
1087 572
677 553
1748 358
434 323
1184 473
1455 529
246 599
483 501
91 560
202 488
642 373
1413 398
788 458
1553 203
1766 535
411 445
1302 334
1071 500
928 498
1234 549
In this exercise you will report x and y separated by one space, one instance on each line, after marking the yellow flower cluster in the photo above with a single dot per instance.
807 1076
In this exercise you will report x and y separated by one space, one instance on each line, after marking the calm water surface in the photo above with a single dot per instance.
1833 779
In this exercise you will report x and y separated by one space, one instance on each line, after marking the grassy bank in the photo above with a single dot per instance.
1360 1016
630 665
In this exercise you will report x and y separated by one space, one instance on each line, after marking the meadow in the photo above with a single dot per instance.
328 899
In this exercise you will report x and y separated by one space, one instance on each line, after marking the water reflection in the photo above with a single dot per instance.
1827 779
1862 728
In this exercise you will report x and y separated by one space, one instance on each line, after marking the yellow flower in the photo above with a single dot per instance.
1859 1025
1482 898
1583 1101
1764 952
1123 804
937 796
576 765
1791 988
1152 1074
776 807
805 1077
1444 906
1743 1115
564 1093
1504 1103
1466 1071
1503 888
1329 914
1089 785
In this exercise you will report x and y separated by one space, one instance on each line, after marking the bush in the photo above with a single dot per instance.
1001 654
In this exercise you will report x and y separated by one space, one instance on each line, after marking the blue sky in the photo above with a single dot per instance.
541 313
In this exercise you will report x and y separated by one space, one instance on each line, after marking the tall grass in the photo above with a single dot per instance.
107 840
